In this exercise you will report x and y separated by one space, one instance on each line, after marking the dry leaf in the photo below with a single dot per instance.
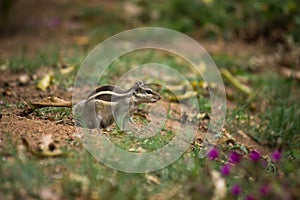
152 179
235 82
67 70
52 102
47 153
187 95
45 82
137 150
290 73
82 40
132 10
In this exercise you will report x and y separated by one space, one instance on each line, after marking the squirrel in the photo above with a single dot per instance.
108 104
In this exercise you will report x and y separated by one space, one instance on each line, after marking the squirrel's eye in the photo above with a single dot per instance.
148 91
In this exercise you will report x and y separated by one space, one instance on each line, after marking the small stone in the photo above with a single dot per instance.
3 67
24 79
7 92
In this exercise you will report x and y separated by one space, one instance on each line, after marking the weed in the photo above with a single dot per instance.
53 113
280 123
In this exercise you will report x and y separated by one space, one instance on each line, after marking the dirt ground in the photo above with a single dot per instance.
21 123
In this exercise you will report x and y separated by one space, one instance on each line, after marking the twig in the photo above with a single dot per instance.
52 102
236 83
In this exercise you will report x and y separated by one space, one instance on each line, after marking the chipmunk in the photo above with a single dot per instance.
108 104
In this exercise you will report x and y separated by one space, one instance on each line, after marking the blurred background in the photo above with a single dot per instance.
255 44
34 24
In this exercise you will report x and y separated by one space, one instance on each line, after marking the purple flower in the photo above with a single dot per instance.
234 157
249 197
213 153
55 21
225 170
276 155
236 190
265 189
254 155
264 163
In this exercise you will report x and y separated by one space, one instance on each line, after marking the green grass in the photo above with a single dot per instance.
280 122
56 114
21 175
80 175
127 141
51 58
139 57
23 63
226 19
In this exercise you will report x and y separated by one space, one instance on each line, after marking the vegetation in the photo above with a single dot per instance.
263 166
246 19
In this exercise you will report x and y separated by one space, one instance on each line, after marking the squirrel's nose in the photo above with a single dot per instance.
158 97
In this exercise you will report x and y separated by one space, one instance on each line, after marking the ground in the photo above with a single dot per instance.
55 35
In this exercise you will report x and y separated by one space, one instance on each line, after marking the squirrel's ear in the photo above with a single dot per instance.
138 84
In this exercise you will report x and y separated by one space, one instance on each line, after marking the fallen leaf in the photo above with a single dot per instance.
45 82
82 40
137 150
47 153
67 70
201 116
235 82
132 10
51 102
187 95
287 72
152 179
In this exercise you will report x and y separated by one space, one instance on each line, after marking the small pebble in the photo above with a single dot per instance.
24 79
